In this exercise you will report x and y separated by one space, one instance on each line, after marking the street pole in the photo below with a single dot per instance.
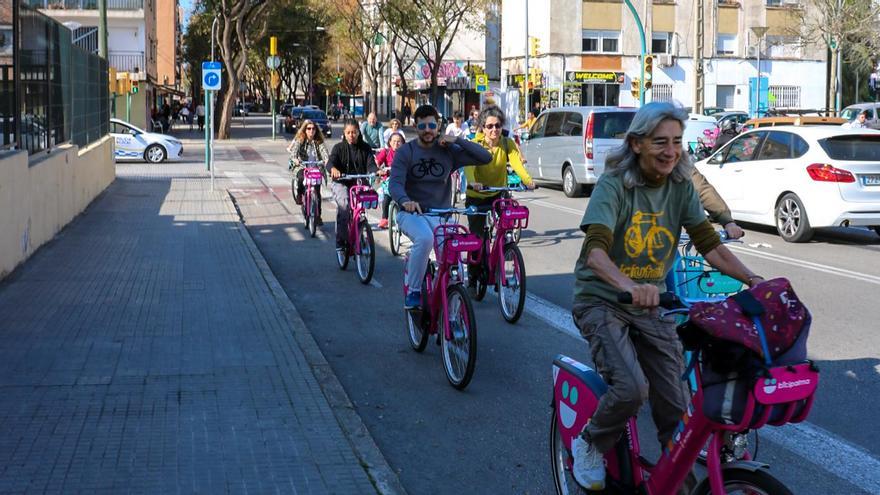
209 104
759 31
644 49
102 29
699 35
272 101
526 72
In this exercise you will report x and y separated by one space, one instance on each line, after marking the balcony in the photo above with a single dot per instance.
84 4
127 61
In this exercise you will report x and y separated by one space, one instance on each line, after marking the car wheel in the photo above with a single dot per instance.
570 184
154 153
791 219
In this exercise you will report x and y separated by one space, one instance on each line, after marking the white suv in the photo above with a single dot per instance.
568 145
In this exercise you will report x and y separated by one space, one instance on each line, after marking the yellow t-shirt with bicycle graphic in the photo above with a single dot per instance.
645 222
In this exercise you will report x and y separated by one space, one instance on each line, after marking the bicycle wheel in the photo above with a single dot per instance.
460 352
313 214
743 481
394 232
512 295
365 259
560 460
416 321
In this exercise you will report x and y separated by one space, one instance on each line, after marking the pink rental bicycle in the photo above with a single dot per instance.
446 309
311 202
499 259
360 243
781 394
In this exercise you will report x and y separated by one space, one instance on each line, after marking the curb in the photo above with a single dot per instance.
365 449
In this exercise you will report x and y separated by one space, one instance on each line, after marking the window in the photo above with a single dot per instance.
554 124
600 41
661 92
777 146
661 42
785 96
538 128
800 146
856 148
573 125
611 125
743 148
726 44
783 46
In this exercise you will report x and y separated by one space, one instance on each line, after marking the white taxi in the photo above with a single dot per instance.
799 178
133 143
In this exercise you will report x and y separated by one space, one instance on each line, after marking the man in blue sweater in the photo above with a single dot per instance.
420 181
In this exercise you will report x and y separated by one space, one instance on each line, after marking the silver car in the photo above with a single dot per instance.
568 145
851 112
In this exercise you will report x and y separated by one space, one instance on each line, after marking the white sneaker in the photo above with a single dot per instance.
588 465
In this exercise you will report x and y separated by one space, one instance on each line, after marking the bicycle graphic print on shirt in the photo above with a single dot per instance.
646 236
427 166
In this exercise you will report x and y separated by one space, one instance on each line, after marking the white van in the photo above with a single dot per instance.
568 145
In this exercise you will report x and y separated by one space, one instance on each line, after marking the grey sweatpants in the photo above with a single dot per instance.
343 212
420 230
640 358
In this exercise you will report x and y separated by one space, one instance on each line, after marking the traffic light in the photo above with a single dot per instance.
649 67
111 73
123 83
634 87
273 45
534 46
134 86
338 78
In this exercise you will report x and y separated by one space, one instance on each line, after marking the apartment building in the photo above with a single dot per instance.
589 53
142 39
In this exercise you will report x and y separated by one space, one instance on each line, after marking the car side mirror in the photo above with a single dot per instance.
524 136
717 159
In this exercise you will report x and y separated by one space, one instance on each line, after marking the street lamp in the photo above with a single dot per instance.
307 47
759 31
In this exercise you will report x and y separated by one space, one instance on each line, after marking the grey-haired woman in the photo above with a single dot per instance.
632 224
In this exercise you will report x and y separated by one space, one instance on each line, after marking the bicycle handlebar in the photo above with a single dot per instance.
438 212
354 176
668 300
311 162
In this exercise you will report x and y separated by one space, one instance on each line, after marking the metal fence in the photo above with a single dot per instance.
62 92
84 4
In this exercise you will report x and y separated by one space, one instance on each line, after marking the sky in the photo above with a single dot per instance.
187 11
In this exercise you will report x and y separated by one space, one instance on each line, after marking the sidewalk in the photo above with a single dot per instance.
149 349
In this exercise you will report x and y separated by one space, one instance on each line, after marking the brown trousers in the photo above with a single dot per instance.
640 358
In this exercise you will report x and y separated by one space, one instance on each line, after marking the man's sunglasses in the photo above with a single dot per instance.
429 125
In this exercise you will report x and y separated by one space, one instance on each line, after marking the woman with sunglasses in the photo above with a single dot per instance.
504 151
420 181
307 145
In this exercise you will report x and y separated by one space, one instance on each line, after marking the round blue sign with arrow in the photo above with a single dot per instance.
211 76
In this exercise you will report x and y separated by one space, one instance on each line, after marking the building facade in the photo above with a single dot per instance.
588 53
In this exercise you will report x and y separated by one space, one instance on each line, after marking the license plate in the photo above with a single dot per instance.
871 180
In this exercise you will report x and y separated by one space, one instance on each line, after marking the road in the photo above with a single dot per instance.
493 437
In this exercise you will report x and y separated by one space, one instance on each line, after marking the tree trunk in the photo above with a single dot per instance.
374 95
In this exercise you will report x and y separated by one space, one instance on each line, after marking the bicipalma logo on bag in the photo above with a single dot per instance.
771 385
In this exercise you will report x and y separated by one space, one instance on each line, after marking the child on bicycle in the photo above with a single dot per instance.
384 159
420 181
504 151
351 156
632 224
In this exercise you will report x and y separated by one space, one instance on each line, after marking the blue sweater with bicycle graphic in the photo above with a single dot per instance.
422 174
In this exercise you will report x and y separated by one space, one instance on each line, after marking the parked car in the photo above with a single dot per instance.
289 117
799 120
799 178
133 143
568 145
851 112
319 117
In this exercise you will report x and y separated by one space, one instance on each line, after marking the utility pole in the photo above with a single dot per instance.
526 71
102 29
699 43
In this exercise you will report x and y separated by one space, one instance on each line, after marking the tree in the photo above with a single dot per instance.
197 47
429 27
359 24
846 27
240 21
403 59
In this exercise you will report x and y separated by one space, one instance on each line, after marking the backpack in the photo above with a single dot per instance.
738 340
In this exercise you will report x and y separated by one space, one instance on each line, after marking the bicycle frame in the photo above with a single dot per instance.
312 177
360 197
506 214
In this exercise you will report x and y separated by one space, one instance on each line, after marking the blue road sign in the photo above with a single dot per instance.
211 76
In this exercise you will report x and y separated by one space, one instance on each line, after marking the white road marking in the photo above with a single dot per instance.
847 461
843 459
375 283
547 204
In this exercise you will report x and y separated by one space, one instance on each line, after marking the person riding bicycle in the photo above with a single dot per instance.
307 145
384 159
351 156
420 181
504 151
394 127
632 224
372 132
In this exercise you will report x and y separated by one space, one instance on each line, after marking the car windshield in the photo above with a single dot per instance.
850 113
861 148
314 115
611 125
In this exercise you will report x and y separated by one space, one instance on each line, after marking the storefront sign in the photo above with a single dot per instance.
583 76
446 70
458 83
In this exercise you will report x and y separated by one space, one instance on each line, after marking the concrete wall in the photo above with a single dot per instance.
38 197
